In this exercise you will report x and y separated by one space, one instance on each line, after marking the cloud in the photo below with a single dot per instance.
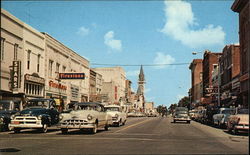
133 73
180 19
83 31
111 42
161 58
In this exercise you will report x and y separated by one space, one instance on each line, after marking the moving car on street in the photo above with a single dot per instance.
38 114
152 113
8 108
239 121
181 114
86 115
220 119
119 117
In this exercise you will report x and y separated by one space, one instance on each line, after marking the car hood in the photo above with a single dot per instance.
78 114
244 118
33 112
113 113
7 113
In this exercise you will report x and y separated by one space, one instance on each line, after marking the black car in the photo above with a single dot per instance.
208 117
38 114
8 108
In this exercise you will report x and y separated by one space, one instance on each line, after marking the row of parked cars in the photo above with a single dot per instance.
41 114
151 113
234 119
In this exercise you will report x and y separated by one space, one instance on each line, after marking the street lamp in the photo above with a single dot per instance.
219 76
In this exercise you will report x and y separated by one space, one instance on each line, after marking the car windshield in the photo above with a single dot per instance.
227 111
37 104
112 109
243 111
85 107
5 106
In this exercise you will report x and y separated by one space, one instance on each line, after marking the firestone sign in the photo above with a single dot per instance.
16 76
71 76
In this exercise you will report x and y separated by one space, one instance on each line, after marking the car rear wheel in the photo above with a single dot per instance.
106 127
188 122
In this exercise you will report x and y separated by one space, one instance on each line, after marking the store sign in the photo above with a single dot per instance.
57 85
16 76
71 76
35 79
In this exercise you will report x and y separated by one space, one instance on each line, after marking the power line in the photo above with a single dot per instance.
173 64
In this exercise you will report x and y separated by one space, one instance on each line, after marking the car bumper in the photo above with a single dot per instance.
242 127
16 124
76 126
182 119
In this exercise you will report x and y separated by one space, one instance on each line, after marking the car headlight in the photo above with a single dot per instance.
12 117
1 119
40 117
89 117
116 115
60 117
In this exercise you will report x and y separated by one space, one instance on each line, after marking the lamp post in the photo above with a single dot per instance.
219 76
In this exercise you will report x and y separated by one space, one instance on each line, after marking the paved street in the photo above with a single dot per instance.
139 136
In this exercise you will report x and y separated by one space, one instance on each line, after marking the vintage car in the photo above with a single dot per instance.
132 114
152 113
181 114
220 119
86 115
119 117
37 114
8 108
208 116
239 121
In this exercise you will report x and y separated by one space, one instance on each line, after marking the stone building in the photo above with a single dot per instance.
196 80
22 59
61 59
230 72
243 8
95 86
114 81
210 93
140 91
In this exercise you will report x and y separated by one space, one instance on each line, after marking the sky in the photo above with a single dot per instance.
137 33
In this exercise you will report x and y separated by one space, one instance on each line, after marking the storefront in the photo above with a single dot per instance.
34 86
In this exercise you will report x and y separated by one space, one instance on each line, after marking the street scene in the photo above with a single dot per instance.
124 77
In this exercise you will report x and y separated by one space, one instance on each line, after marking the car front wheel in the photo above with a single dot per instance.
64 131
17 130
44 128
94 129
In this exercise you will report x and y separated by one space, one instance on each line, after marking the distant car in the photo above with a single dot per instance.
191 113
86 115
8 108
201 115
131 114
119 117
181 114
239 121
152 114
220 119
38 114
208 116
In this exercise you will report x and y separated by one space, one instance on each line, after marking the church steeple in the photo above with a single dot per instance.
141 82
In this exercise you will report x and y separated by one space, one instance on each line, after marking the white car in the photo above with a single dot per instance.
119 117
86 115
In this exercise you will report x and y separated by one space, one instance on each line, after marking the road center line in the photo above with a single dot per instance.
132 125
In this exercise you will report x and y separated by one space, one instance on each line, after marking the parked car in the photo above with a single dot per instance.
220 119
38 114
8 108
181 114
152 114
201 115
86 115
131 114
208 116
119 117
239 121
192 114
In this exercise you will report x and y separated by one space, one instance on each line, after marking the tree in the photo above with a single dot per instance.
184 102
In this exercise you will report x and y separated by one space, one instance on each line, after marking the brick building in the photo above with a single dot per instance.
243 8
210 63
230 72
196 79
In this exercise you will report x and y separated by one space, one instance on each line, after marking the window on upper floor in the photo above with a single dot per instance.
57 67
64 69
15 51
28 59
50 67
2 49
38 62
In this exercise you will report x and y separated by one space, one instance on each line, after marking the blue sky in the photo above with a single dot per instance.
137 32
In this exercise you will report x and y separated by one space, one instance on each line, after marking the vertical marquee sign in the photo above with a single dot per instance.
16 75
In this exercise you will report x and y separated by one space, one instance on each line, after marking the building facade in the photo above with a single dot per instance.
196 79
22 59
243 8
230 72
61 59
210 93
95 86
115 79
